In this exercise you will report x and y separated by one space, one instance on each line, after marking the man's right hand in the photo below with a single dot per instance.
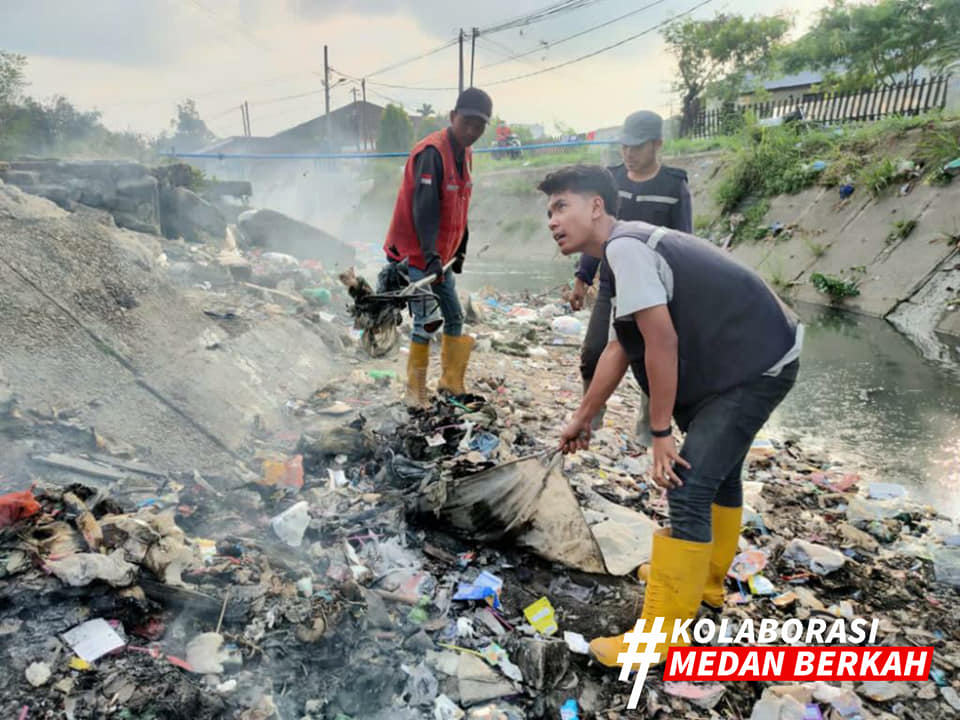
576 435
434 267
578 295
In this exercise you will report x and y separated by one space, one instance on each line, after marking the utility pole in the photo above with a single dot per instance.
357 109
246 109
473 52
363 124
326 95
243 117
461 60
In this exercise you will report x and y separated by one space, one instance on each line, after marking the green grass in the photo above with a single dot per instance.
818 250
778 279
837 288
765 162
878 175
937 148
753 226
690 146
588 154
901 230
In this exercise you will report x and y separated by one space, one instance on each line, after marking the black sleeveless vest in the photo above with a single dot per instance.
731 327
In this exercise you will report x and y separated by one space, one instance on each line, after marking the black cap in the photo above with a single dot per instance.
474 102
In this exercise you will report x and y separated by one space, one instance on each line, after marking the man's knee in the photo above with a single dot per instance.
690 517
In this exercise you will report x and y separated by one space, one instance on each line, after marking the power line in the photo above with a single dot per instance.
603 49
544 13
545 45
407 61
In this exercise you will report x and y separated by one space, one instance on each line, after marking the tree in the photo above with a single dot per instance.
190 132
11 77
714 57
396 130
857 45
425 110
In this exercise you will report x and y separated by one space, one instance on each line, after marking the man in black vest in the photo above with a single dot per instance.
713 348
648 191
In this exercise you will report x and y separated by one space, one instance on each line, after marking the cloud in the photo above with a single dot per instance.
136 60
118 31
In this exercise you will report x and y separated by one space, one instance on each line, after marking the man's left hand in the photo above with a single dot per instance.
665 456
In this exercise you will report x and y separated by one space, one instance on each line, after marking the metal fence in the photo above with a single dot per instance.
830 108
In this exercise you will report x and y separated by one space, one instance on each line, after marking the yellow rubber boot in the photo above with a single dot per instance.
454 357
678 573
417 365
726 536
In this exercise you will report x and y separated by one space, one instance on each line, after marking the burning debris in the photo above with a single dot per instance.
358 576
358 561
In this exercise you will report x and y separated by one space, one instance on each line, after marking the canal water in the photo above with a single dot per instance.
865 398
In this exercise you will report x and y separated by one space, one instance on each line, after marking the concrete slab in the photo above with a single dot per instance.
702 172
950 324
753 253
863 240
903 268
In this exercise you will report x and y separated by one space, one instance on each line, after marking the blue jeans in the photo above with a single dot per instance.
720 431
425 312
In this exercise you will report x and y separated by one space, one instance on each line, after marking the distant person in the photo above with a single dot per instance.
429 229
713 347
648 191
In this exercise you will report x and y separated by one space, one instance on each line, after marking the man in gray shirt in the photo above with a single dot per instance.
714 349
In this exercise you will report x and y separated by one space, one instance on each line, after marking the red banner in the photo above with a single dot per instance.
798 663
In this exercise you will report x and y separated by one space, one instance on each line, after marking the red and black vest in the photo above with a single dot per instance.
402 241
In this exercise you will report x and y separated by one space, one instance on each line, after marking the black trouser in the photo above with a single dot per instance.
598 332
720 431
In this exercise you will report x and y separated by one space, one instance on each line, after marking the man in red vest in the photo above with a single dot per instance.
429 229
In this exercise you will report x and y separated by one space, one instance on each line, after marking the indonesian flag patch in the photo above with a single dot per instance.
426 179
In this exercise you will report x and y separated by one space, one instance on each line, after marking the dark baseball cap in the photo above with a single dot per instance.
474 102
641 127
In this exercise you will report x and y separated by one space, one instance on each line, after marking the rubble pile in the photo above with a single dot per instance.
322 579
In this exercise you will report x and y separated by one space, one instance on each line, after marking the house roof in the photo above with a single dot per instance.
805 78
343 116
801 79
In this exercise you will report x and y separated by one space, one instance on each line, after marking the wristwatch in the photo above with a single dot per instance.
662 433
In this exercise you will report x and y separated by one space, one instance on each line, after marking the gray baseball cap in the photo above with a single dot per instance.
641 127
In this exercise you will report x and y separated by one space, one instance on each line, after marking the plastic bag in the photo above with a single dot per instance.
16 506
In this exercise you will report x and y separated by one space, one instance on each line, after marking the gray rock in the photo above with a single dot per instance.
418 642
278 233
141 190
132 222
21 178
185 214
227 188
55 193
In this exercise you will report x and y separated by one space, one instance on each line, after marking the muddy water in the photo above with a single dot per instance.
865 395
865 398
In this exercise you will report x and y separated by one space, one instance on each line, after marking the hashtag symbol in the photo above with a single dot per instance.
642 660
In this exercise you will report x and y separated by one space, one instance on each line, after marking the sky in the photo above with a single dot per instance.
134 60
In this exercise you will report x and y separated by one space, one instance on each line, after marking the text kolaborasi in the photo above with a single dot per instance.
799 663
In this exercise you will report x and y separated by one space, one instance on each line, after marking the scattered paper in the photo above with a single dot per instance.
93 639
576 642
486 587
